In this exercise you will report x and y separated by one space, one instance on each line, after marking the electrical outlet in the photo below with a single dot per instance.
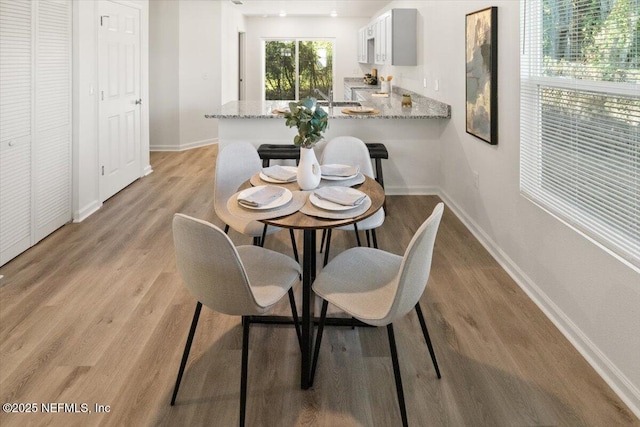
436 85
424 82
476 179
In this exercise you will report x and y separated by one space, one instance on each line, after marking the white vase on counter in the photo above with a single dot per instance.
308 169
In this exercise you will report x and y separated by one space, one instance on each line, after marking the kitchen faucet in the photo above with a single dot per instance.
328 98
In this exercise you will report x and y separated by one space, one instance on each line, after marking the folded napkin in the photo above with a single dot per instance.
280 173
340 195
261 197
339 170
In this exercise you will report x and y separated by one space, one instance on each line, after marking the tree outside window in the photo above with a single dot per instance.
286 81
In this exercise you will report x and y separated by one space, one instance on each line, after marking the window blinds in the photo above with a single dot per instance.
580 116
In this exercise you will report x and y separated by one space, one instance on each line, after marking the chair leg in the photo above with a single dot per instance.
294 313
327 248
187 348
264 235
366 233
375 238
425 332
323 316
396 372
324 236
355 227
226 229
294 246
243 375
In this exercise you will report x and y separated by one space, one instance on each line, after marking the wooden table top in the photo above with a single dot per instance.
299 220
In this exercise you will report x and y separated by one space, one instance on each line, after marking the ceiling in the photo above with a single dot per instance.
344 8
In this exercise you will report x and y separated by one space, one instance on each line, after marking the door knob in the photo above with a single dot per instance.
139 101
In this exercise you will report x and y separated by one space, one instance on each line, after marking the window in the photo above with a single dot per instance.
580 116
294 68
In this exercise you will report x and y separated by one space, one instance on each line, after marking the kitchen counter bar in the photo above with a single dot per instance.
423 108
411 135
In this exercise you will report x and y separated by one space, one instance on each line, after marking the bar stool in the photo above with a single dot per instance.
377 152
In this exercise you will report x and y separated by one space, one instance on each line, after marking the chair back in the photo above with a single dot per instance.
348 150
236 163
416 266
210 267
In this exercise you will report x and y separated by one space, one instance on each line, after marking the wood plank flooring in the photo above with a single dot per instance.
96 314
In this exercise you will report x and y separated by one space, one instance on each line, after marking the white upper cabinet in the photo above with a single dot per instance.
394 37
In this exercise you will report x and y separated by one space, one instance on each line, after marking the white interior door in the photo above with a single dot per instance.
119 90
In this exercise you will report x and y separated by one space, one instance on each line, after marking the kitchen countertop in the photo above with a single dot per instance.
390 108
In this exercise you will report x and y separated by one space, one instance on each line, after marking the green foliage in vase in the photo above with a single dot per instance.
309 120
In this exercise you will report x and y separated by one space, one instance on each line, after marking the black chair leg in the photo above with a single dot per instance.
355 227
243 375
264 235
226 229
316 352
324 236
425 332
374 238
296 320
187 348
294 246
396 372
326 250
366 233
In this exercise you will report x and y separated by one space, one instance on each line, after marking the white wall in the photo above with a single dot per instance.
188 55
163 81
590 295
343 30
86 194
199 70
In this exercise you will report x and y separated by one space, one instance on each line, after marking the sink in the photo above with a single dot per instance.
340 103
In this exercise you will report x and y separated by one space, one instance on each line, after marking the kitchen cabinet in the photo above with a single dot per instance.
395 39
365 45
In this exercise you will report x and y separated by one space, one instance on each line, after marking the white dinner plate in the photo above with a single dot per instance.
338 178
267 178
280 201
330 206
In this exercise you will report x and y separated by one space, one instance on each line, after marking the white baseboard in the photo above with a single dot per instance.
147 170
411 191
618 382
183 147
86 211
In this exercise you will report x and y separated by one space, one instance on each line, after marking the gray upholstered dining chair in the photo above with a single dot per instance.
352 151
246 281
236 164
378 288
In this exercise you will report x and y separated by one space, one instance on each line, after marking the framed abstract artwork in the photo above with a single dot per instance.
482 74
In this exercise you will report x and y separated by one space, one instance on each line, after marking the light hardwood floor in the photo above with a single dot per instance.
96 313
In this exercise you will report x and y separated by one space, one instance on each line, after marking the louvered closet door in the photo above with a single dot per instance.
16 53
35 121
52 145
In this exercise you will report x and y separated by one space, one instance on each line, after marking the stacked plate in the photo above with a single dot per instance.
359 110
341 193
338 172
250 194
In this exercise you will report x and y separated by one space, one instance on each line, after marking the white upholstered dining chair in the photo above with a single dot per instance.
246 281
349 150
378 288
236 164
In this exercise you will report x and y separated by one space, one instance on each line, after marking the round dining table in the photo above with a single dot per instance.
309 225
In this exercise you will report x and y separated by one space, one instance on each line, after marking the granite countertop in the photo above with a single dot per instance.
390 108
